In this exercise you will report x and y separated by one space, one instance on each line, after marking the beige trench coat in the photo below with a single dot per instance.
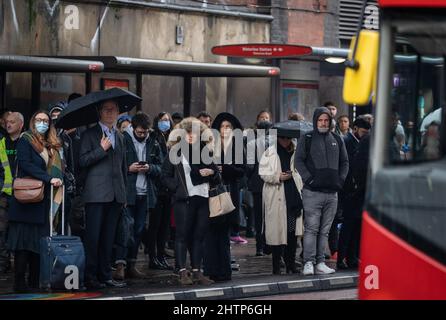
274 204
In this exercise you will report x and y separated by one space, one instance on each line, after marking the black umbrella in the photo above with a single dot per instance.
292 128
83 110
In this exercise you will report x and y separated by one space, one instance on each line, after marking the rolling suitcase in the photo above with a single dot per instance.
62 258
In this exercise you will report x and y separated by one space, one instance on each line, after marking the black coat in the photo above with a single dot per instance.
354 200
30 164
153 158
106 171
173 178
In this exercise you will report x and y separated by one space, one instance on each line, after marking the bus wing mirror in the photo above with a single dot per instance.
360 73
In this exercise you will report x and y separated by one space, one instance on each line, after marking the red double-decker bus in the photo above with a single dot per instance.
403 244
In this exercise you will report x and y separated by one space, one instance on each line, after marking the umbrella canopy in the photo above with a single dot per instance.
292 128
83 110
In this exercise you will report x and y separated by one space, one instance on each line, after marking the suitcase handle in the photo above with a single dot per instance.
51 210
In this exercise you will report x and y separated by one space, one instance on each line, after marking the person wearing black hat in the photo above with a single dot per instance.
177 117
348 247
217 253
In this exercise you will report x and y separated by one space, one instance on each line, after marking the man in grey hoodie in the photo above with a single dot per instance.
322 162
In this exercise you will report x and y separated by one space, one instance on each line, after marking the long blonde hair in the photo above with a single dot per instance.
49 140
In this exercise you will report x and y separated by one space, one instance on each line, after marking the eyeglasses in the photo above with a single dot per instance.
140 133
42 120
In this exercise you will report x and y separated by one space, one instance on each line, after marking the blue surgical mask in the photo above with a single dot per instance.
164 125
42 127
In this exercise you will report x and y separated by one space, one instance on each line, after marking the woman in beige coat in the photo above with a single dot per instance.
282 202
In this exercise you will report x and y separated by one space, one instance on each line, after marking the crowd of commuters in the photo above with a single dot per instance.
121 169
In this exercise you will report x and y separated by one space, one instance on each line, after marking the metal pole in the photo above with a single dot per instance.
35 91
187 96
139 89
88 80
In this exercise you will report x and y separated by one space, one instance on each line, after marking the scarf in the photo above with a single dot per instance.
53 163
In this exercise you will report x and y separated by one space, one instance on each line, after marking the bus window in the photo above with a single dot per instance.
418 92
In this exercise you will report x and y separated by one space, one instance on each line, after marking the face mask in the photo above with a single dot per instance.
164 126
264 125
42 127
323 130
138 138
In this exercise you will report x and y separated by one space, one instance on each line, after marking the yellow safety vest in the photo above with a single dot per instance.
7 183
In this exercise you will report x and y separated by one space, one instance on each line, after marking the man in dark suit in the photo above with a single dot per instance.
102 156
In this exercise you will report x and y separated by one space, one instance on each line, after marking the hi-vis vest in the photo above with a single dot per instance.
7 184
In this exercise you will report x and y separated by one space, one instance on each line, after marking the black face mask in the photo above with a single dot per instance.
138 138
264 125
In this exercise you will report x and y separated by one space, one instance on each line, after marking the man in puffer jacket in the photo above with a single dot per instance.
322 161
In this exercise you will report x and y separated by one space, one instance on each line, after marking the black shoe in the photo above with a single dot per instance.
115 284
292 270
163 262
342 265
94 285
259 253
277 272
250 234
220 278
155 264
235 267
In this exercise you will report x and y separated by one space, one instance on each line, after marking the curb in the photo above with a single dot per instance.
251 290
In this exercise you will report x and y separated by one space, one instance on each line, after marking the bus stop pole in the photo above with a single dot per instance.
2 90
35 91
88 80
187 95
139 89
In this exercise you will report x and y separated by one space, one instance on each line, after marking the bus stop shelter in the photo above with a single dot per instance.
112 64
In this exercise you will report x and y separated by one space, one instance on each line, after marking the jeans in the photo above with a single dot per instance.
192 221
139 214
319 212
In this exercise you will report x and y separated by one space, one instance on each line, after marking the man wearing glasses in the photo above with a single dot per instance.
143 155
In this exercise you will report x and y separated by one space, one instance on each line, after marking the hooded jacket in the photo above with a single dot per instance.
325 167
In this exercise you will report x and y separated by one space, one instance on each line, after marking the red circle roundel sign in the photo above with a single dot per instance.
262 50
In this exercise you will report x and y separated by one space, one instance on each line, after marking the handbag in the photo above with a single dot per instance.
28 190
220 202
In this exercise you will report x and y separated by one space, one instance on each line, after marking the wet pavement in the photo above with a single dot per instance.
255 273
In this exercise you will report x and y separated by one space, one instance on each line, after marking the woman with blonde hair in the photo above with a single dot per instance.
188 179
38 157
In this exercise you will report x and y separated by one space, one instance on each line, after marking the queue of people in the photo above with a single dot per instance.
122 168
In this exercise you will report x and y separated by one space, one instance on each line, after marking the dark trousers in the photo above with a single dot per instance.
258 218
158 229
101 222
139 215
4 253
192 220
349 240
23 260
288 252
333 236
217 258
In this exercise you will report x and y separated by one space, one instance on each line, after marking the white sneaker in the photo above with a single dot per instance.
321 268
308 269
